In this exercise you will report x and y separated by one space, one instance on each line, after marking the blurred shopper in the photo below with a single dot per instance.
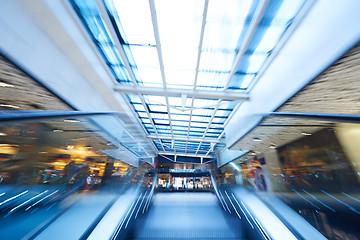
259 179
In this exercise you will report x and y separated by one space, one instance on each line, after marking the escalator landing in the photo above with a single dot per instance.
194 215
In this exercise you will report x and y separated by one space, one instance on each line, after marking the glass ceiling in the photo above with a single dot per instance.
168 49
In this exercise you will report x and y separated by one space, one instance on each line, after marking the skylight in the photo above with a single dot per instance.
171 52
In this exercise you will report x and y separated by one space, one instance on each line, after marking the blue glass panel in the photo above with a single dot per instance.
135 19
162 121
191 151
134 98
98 29
180 128
109 52
218 120
120 72
180 123
157 108
151 99
252 63
139 107
86 4
196 135
159 116
241 81
180 78
218 79
142 114
179 35
200 119
212 135
180 117
145 120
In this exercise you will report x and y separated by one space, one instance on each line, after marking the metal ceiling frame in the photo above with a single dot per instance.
220 96
178 92
203 23
259 12
161 62
108 24
187 139
101 8
186 155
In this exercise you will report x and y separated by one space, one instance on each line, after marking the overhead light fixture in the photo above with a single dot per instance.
212 145
57 130
9 106
3 134
71 120
183 101
257 140
272 146
2 84
306 134
79 139
70 147
6 145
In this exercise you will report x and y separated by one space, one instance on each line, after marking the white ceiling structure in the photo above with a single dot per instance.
184 66
194 75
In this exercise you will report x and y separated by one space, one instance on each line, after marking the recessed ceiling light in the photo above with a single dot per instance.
2 84
257 140
5 145
306 134
8 106
71 120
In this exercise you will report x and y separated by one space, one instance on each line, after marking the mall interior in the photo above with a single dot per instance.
192 119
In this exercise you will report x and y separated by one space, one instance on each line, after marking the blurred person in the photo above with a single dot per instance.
251 173
259 179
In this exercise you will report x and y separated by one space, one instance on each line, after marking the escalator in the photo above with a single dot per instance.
187 215
220 213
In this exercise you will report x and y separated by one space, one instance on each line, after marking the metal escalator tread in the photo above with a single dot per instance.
186 216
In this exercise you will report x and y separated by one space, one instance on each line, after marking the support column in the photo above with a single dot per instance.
274 171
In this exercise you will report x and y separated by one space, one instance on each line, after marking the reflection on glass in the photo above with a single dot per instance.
312 166
51 166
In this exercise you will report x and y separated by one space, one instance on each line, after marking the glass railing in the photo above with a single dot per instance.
307 162
57 164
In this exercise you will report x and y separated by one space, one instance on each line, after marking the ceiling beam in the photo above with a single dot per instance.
161 61
186 155
214 140
177 92
202 33
110 27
